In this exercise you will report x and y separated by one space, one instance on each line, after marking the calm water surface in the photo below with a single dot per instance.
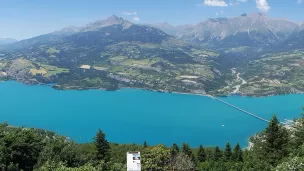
133 116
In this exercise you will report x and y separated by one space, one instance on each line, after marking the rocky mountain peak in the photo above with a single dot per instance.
219 20
113 20
68 30
256 28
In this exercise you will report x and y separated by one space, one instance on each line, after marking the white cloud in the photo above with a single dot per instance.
136 18
129 13
217 3
262 5
299 1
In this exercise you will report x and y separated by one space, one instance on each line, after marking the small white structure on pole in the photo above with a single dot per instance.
133 161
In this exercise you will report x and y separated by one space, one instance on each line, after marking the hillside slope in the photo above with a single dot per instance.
109 54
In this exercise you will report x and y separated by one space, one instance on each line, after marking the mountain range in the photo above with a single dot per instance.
170 29
4 41
253 30
246 30
115 53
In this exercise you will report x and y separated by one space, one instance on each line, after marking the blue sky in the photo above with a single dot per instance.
22 19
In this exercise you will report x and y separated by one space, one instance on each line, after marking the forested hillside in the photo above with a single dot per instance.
276 148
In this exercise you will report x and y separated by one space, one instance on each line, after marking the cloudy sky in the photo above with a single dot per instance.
22 19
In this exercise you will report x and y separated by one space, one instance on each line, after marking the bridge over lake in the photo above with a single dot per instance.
242 110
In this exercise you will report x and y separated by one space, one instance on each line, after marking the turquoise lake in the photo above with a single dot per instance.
133 116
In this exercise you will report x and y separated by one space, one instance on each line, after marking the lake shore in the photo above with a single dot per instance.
202 93
162 117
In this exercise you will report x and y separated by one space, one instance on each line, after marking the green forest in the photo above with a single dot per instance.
277 148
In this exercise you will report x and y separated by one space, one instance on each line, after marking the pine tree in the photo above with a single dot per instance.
201 155
102 146
186 150
237 154
217 154
228 152
145 144
174 150
298 139
276 141
193 159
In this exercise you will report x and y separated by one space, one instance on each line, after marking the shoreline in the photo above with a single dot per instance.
135 90
157 91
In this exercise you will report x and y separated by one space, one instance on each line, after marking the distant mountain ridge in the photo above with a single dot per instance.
67 31
113 20
66 34
245 30
94 26
170 29
295 40
4 41
251 30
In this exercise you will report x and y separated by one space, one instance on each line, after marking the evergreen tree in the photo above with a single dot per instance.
186 150
145 144
201 155
298 139
237 154
182 162
102 146
193 159
228 152
174 150
276 141
20 149
217 154
156 158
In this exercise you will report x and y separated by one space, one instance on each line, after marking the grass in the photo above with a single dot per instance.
38 71
203 53
22 63
198 70
118 58
149 45
53 50
48 70
117 69
53 70
43 69
132 62
100 68
2 65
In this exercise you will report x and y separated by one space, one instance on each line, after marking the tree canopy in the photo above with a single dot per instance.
275 148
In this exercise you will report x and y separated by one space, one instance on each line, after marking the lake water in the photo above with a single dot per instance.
133 116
